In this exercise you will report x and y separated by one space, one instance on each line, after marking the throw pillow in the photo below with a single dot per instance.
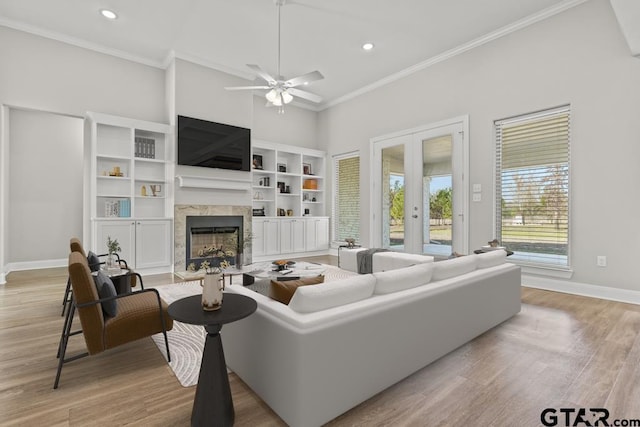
283 290
106 289
93 261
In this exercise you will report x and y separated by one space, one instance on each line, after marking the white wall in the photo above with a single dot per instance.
577 57
297 126
44 74
45 185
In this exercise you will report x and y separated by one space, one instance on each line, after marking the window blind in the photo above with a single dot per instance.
346 197
532 186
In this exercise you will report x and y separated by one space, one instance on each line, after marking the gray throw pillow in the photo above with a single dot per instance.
93 261
106 289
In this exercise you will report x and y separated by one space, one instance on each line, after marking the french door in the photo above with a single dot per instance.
420 194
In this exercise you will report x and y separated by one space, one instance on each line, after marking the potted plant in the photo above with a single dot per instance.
113 247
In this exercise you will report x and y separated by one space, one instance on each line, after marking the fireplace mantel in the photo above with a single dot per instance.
231 184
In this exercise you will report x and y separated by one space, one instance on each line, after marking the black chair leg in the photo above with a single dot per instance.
66 301
64 339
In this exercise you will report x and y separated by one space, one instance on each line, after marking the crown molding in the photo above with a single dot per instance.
173 55
78 42
501 32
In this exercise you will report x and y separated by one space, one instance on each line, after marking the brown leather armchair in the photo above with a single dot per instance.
76 246
139 314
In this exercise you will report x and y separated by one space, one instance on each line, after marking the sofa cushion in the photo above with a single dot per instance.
384 261
283 290
308 299
106 289
453 267
403 278
491 259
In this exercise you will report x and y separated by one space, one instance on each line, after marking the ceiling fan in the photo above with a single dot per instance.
282 91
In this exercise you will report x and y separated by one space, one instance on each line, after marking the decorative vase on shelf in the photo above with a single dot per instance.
212 288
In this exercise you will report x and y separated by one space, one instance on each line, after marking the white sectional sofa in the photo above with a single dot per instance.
339 343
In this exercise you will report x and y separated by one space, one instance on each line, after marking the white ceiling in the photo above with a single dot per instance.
324 35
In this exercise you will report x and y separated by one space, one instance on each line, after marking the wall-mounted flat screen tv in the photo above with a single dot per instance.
213 145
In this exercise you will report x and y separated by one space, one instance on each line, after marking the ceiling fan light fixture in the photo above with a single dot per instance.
287 97
272 95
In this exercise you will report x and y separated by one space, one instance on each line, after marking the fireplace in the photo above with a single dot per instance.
181 212
213 239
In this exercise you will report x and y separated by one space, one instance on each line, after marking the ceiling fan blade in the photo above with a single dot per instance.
247 87
260 72
306 78
305 95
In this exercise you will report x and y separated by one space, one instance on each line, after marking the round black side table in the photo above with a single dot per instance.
212 405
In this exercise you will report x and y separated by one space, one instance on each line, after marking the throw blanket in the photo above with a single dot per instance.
365 259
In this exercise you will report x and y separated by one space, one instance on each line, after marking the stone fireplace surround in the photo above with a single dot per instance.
180 220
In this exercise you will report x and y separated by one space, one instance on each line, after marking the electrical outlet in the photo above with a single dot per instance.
477 197
477 188
601 260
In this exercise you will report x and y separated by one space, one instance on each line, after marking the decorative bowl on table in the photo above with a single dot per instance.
282 264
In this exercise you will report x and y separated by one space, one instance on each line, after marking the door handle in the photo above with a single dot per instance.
414 216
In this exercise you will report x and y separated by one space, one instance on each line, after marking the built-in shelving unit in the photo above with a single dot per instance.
130 191
288 187
288 180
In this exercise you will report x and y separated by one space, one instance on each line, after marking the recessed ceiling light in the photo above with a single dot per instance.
109 14
367 46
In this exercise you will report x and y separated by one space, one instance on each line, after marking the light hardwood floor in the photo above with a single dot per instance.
560 351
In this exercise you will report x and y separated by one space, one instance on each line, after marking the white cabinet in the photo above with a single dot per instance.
284 236
121 230
317 234
129 172
144 243
292 235
266 237
153 243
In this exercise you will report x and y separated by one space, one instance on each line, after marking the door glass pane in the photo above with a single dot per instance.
393 175
437 184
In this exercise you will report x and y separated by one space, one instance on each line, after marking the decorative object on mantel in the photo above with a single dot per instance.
282 91
143 191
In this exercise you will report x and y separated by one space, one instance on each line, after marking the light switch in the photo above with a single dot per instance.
477 197
477 188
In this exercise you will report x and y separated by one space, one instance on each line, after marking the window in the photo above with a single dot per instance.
346 197
532 186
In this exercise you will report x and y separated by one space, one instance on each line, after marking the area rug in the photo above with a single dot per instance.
186 342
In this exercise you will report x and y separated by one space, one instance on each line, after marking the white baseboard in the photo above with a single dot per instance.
36 265
3 279
583 289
